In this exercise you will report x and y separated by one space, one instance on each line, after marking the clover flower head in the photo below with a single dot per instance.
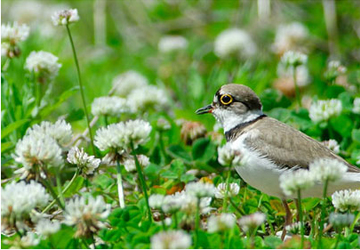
301 74
87 214
109 105
87 164
156 201
14 33
293 228
334 69
171 240
356 108
60 131
172 203
172 43
46 227
252 221
323 110
227 156
190 131
37 149
332 145
147 97
292 181
327 169
129 162
294 58
44 64
234 42
346 200
125 83
341 220
18 199
188 203
221 222
289 36
163 124
200 189
220 191
65 17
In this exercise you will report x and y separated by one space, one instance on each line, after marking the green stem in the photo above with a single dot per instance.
175 220
63 192
301 217
52 192
297 91
323 208
163 220
142 179
162 148
227 187
337 240
355 221
81 89
236 207
106 120
197 222
120 185
58 186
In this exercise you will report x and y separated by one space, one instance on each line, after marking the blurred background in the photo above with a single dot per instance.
191 48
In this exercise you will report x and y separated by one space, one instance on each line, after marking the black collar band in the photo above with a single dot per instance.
229 134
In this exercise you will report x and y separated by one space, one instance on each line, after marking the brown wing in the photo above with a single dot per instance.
288 147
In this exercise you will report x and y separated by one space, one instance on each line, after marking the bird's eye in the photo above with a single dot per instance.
226 99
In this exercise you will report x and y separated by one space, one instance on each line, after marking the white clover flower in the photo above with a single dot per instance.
172 43
125 83
172 203
200 189
147 97
301 73
171 240
86 163
187 203
356 108
346 200
190 131
334 69
228 156
14 33
118 136
46 227
109 105
163 124
221 222
86 214
5 50
43 63
327 170
130 165
27 241
293 228
289 36
65 17
220 190
37 149
18 199
252 221
341 220
60 131
234 42
294 58
324 109
156 201
332 145
292 181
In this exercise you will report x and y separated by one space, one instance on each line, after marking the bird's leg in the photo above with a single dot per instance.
297 205
288 218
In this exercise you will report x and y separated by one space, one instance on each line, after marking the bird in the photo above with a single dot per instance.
270 147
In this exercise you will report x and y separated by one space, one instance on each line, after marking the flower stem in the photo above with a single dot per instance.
142 179
81 89
301 217
58 186
120 185
63 192
297 91
52 192
337 240
236 207
197 222
323 208
226 195
175 220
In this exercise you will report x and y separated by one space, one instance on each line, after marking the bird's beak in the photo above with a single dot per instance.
207 109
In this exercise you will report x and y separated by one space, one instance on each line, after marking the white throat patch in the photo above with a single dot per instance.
229 119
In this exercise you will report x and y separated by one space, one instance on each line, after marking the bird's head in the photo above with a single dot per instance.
232 105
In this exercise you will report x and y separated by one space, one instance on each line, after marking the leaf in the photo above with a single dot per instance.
6 146
310 203
272 241
187 177
75 187
63 238
203 149
342 124
103 181
355 135
176 151
11 127
277 206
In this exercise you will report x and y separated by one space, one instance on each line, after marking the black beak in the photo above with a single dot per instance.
204 110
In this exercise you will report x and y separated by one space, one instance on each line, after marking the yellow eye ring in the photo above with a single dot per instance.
226 99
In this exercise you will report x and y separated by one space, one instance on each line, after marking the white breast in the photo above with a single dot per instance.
256 170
